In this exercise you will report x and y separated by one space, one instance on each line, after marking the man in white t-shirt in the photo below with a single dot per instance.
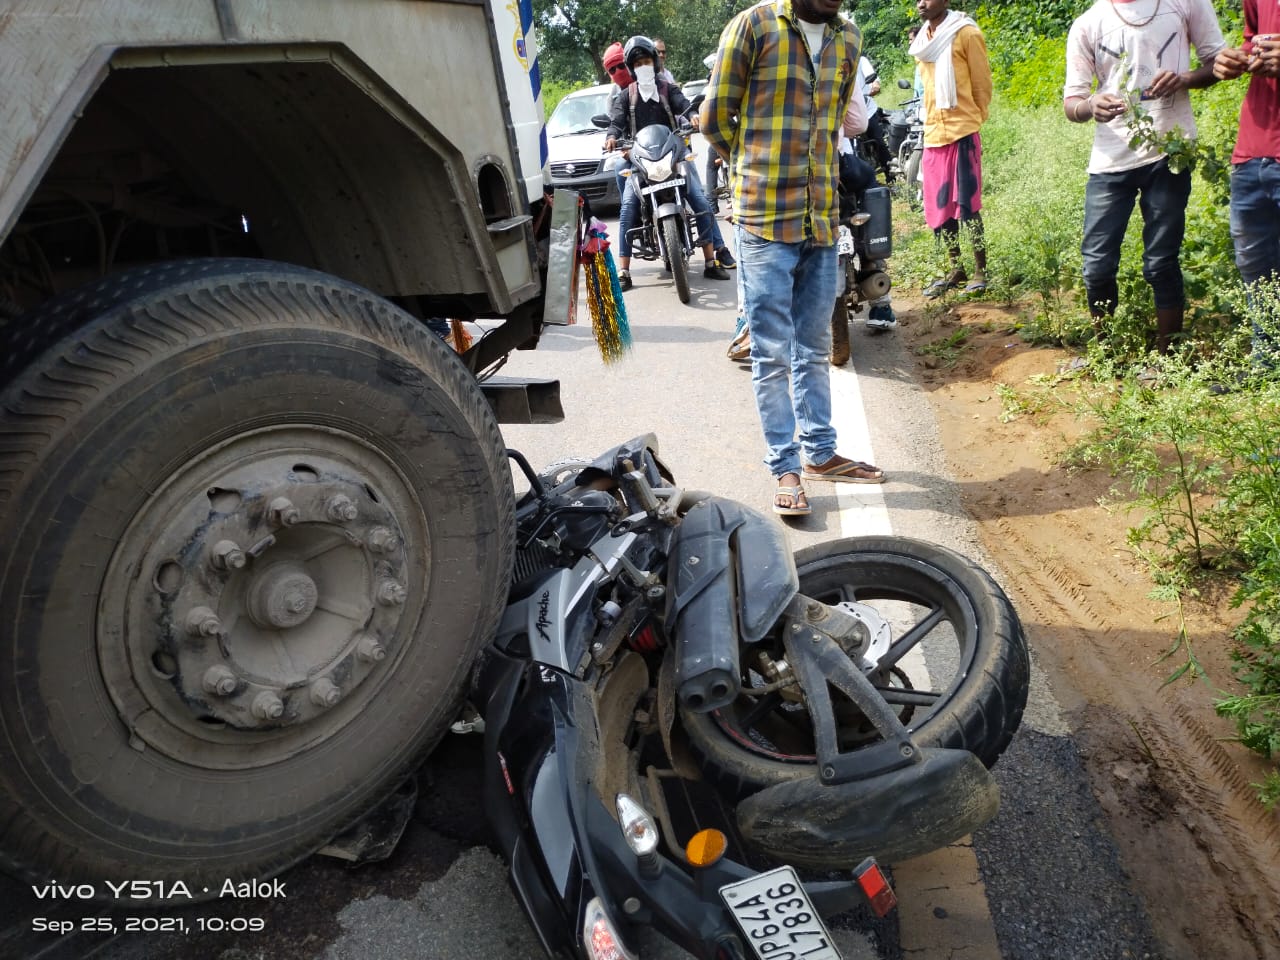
1139 52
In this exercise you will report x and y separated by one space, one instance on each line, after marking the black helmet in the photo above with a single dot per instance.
636 46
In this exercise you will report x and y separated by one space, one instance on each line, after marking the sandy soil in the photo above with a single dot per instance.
1203 853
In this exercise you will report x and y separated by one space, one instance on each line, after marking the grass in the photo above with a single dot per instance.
1201 466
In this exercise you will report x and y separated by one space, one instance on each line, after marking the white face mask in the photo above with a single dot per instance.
644 75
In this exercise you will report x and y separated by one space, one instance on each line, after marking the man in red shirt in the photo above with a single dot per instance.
1255 170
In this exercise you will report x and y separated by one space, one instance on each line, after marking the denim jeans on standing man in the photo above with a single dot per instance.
1255 217
789 290
1108 201
1255 232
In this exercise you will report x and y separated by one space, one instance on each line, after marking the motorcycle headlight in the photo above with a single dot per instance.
599 939
657 170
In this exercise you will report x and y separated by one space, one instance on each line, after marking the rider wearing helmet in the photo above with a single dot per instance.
647 101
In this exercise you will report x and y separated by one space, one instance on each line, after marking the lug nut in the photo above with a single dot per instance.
219 681
382 540
370 650
340 509
203 622
324 693
392 594
283 512
267 706
227 555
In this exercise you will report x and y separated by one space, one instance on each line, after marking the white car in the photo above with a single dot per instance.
575 146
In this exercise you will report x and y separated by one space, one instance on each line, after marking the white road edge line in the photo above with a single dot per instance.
940 876
862 507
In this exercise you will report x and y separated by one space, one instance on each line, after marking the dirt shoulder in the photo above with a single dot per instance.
1202 852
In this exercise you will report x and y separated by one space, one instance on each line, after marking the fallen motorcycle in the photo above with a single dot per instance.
682 720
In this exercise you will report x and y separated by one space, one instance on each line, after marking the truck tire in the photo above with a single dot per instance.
256 523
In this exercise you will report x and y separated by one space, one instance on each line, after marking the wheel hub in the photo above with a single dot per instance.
276 589
282 596
877 636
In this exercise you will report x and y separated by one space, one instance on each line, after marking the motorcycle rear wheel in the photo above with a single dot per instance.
675 251
972 677
840 328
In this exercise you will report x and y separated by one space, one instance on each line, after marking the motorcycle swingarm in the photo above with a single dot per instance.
818 660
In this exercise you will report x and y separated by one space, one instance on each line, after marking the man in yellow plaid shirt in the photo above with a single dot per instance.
774 108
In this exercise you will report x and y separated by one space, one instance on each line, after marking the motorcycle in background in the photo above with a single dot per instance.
666 228
683 720
906 142
864 242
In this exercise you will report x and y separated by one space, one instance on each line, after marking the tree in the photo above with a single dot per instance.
573 34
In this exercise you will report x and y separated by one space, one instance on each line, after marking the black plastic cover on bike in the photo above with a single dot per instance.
642 451
877 233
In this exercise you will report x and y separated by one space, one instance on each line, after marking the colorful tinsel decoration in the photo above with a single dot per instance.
604 294
459 336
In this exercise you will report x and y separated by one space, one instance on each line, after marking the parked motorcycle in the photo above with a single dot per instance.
864 242
683 720
906 142
666 228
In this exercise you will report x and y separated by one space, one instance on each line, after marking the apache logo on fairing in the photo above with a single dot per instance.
544 605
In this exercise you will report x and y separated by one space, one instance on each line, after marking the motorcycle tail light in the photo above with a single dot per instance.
638 828
599 938
706 847
875 887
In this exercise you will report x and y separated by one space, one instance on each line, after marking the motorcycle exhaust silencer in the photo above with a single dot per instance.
702 615
874 286
732 575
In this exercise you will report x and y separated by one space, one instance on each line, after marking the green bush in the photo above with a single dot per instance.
1036 80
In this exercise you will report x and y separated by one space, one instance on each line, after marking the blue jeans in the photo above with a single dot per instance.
1108 202
789 290
1255 232
1255 217
629 213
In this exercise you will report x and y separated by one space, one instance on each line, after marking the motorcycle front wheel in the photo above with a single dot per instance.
957 671
675 252
911 174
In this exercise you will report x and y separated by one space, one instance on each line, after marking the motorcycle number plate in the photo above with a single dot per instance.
777 918
844 246
664 185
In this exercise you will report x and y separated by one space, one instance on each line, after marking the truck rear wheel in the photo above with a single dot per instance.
256 523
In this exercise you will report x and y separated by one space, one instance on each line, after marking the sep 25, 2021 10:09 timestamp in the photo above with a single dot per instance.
148 924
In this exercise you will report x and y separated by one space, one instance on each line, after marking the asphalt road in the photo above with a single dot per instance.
1041 881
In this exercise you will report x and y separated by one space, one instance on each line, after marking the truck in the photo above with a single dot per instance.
256 517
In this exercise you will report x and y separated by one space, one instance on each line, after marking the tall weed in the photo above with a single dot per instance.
1198 454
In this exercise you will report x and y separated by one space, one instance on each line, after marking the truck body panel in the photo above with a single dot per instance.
363 109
